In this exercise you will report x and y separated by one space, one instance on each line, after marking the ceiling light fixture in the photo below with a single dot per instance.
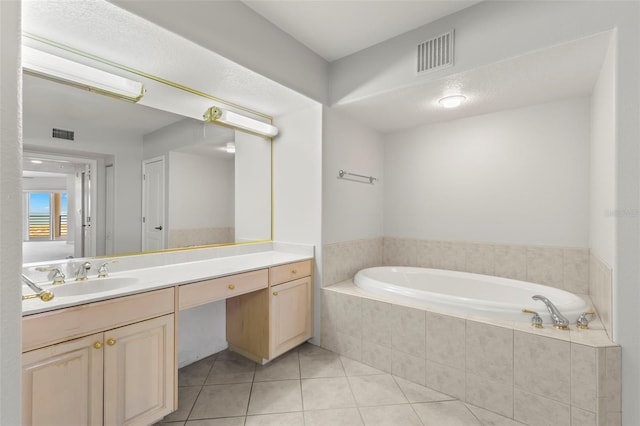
230 148
237 121
452 101
51 67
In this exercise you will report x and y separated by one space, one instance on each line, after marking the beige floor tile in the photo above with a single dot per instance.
310 349
390 415
281 419
221 401
196 374
376 390
487 418
186 398
228 421
284 368
448 413
355 368
335 416
418 393
231 370
323 393
315 366
275 397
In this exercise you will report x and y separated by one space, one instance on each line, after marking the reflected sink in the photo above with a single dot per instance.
92 286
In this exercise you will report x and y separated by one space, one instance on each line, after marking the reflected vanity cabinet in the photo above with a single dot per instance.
265 324
110 362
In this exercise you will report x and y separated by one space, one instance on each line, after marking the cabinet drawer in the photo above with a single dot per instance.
208 291
56 326
291 271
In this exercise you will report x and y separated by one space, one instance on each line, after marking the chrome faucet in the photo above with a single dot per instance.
103 271
55 274
559 321
82 270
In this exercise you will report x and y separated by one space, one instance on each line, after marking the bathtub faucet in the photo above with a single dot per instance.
559 321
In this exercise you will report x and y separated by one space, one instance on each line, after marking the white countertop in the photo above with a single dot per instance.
158 277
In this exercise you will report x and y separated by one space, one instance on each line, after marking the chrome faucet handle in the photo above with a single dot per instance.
559 321
103 272
583 320
82 270
536 320
55 274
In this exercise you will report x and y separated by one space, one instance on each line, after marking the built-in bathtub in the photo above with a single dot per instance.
482 357
466 294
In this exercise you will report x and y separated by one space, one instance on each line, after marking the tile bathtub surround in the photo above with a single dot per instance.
513 371
340 391
565 268
342 260
600 288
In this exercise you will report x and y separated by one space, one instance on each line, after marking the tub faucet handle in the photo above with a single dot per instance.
583 320
536 320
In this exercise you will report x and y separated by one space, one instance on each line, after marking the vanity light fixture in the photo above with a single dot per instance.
42 64
452 101
230 147
231 119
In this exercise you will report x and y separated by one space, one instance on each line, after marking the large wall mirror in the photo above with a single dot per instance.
105 177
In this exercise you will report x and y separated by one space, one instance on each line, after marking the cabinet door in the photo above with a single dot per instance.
139 380
62 384
291 315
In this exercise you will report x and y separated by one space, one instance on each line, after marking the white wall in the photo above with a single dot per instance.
252 187
10 213
603 160
351 210
518 176
297 187
91 141
236 32
200 191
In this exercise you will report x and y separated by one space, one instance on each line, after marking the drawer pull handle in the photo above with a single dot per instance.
294 271
97 345
275 293
231 286
111 342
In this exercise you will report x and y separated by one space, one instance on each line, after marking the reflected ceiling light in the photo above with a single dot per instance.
452 101
51 67
36 161
237 121
230 148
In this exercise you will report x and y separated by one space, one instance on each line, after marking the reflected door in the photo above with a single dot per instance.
153 227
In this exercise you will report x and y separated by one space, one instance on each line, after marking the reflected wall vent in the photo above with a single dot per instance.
63 134
436 53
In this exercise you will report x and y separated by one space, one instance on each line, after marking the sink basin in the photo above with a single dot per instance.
97 285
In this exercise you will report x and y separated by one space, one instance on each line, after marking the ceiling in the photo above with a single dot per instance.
559 72
337 28
333 29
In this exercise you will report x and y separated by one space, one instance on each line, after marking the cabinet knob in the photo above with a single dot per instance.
97 345
231 286
275 293
111 342
294 271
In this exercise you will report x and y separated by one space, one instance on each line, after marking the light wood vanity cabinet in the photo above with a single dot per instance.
120 376
264 324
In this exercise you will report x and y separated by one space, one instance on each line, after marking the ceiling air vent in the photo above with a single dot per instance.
63 134
436 53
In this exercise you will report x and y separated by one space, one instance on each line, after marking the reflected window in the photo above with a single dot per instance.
46 217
